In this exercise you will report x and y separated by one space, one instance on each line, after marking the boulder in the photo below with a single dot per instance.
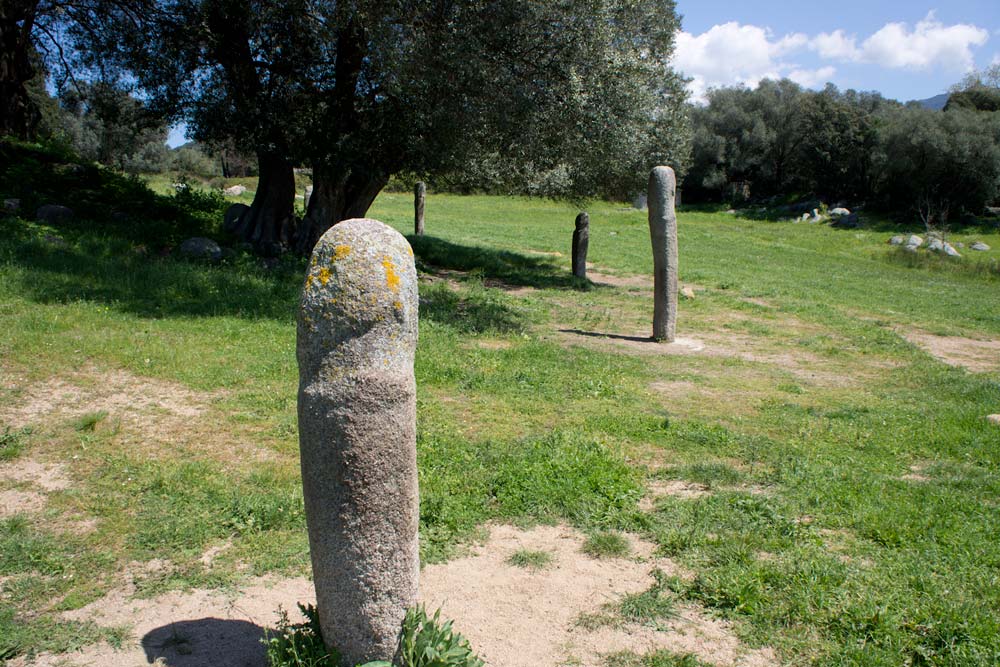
993 419
232 217
850 221
234 191
980 246
949 250
935 244
897 240
11 206
914 241
200 248
54 214
839 211
687 293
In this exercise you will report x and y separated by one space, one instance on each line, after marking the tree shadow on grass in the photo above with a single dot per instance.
501 267
78 266
206 642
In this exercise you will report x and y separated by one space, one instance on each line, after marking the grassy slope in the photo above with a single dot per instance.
840 560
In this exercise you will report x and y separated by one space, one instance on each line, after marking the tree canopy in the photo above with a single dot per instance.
576 93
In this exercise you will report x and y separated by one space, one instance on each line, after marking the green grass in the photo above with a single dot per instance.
531 559
606 544
803 422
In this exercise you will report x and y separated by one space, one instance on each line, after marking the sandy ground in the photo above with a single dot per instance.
513 616
978 356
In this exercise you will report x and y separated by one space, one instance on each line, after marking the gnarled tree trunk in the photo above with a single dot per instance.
269 225
18 117
339 193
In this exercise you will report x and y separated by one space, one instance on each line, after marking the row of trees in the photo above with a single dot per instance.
780 139
576 94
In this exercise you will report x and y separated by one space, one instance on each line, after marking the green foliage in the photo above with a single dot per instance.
606 544
650 605
778 140
299 644
656 659
12 442
90 420
426 642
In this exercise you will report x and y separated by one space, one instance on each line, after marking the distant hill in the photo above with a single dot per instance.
935 103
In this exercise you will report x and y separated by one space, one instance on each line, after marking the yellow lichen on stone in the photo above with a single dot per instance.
397 304
324 275
391 277
309 281
341 251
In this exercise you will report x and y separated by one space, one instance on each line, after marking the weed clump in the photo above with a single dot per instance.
532 560
424 641
606 544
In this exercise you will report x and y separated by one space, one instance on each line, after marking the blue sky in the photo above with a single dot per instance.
905 50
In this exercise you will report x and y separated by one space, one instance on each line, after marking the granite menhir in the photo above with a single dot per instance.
663 233
357 333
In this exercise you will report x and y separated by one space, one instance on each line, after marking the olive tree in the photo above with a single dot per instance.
364 90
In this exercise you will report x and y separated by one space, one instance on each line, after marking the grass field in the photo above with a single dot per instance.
842 483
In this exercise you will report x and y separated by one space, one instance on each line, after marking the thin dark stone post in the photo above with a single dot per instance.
581 240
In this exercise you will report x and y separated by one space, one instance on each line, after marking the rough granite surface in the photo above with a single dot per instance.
419 200
357 333
663 233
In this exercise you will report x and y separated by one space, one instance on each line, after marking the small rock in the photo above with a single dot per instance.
958 244
11 205
612 233
234 191
910 248
914 241
54 213
839 211
993 419
805 217
731 211
949 250
897 240
935 244
200 248
980 246
687 293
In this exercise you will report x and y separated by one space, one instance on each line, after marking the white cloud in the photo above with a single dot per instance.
812 78
930 45
731 54
996 59
835 46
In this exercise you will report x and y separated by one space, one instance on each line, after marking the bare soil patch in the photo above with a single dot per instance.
672 487
47 476
13 502
517 617
149 414
514 617
92 389
978 356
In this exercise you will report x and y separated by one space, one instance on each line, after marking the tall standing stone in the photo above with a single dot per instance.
419 198
663 233
581 241
357 333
